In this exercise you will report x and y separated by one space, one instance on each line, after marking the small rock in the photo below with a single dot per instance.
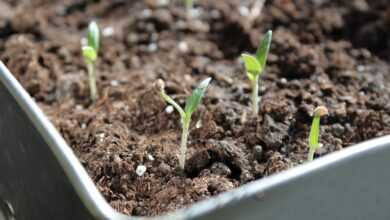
152 47
258 152
198 124
360 68
183 46
150 157
220 169
169 109
141 169
146 13
114 83
244 11
108 31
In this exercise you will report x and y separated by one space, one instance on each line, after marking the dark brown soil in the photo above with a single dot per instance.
332 53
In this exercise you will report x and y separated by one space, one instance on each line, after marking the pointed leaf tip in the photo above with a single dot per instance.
263 49
93 35
196 97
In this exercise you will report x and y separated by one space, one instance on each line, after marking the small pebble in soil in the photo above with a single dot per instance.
150 157
83 126
101 137
169 109
360 68
140 171
183 46
244 11
220 169
79 107
198 124
152 47
114 83
146 13
258 152
108 31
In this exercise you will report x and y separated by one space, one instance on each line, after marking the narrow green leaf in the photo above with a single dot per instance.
263 49
314 133
196 97
252 66
89 53
93 36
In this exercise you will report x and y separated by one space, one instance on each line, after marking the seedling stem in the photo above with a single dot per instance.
255 65
315 131
90 53
185 114
255 96
92 80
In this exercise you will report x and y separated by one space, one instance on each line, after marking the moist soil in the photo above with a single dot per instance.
332 53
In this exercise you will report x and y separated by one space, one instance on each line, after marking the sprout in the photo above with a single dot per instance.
185 114
315 131
90 53
255 66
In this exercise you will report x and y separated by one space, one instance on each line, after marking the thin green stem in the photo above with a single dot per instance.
172 102
255 96
92 80
183 143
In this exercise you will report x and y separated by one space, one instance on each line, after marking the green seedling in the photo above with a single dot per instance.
90 53
315 131
255 65
185 114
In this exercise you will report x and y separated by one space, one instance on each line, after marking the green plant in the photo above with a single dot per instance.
255 65
90 53
315 131
185 114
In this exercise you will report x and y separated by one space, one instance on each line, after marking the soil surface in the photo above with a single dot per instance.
333 53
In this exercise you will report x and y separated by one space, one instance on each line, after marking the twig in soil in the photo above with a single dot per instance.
315 131
90 53
185 114
255 65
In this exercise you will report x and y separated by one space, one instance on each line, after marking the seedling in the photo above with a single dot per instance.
185 114
255 65
315 131
90 53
